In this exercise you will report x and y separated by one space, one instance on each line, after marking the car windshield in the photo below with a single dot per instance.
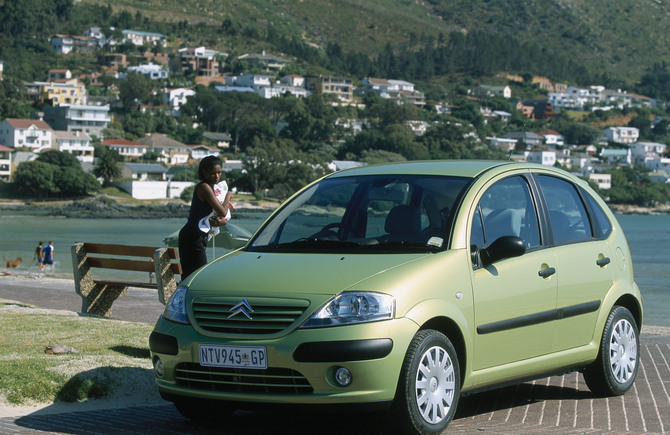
381 213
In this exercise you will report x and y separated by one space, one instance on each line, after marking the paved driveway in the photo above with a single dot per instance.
559 404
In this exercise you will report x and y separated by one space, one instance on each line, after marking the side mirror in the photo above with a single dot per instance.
501 248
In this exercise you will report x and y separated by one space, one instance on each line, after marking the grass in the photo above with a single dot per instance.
111 355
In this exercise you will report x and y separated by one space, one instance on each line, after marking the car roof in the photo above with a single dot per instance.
457 168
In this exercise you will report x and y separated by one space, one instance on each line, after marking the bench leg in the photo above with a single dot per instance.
100 298
165 279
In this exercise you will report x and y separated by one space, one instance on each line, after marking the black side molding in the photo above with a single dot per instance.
340 351
537 318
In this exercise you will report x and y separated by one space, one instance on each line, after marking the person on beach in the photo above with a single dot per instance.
193 239
38 256
48 254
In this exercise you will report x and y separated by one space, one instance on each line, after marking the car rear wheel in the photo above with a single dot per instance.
615 369
202 409
429 385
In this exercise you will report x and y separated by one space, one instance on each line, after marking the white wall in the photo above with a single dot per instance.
154 189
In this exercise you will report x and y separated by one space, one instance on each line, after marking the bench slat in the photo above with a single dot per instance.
129 284
116 263
127 250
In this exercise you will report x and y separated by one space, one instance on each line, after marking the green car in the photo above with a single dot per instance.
404 286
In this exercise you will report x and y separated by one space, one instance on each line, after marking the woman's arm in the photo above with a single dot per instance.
206 193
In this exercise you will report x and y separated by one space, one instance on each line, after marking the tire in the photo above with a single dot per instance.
614 370
429 385
202 409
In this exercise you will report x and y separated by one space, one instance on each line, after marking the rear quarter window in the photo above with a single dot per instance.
604 225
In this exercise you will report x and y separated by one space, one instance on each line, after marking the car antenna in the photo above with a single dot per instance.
523 129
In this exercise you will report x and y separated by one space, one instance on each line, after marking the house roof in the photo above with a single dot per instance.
614 152
4 148
27 123
62 134
214 136
146 167
548 132
522 135
122 142
203 147
158 140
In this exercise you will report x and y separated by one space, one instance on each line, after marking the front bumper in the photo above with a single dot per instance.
301 365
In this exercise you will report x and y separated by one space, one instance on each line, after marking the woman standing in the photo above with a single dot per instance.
38 255
192 240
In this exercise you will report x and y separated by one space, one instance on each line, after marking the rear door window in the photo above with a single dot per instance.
567 213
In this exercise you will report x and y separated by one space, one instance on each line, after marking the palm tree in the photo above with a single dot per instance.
107 167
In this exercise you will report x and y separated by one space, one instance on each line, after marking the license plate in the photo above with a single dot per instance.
248 357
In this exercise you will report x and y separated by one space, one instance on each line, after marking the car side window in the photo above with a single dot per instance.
569 220
506 209
601 218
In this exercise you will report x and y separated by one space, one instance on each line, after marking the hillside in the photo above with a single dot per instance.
617 38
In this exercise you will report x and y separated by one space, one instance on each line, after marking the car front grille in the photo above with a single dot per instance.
266 315
230 380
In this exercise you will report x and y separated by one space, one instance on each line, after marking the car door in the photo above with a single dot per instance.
583 261
514 298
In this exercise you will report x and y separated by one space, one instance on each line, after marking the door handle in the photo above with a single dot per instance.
603 261
544 273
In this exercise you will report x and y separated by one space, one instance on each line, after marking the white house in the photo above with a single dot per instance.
625 135
5 162
151 70
251 80
76 143
29 133
604 181
576 98
176 97
88 119
172 152
617 156
138 37
127 149
148 181
502 143
278 89
552 137
645 151
547 158
659 164
198 152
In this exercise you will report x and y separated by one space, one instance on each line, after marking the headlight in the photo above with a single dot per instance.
353 307
175 310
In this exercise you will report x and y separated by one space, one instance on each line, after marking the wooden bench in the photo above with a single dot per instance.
98 295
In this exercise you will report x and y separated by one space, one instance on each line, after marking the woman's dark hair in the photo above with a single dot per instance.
206 164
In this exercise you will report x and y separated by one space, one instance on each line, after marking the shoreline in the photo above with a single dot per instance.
35 278
99 207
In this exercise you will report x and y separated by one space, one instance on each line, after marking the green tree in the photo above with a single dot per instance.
136 88
107 167
59 159
35 179
267 164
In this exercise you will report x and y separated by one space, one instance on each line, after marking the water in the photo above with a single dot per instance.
648 239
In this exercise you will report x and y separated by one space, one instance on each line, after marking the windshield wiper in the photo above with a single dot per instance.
314 243
403 245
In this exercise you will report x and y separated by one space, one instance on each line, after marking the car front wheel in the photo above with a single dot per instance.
615 369
429 385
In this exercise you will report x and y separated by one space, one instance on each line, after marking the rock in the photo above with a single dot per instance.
59 348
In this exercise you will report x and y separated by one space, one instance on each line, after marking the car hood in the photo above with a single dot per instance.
283 273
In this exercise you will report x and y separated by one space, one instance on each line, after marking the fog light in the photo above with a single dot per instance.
159 369
343 377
